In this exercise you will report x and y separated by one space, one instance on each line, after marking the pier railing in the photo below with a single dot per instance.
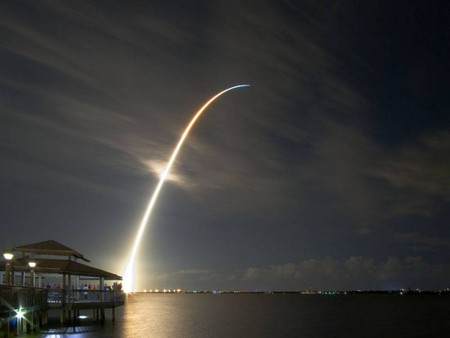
13 298
29 306
85 298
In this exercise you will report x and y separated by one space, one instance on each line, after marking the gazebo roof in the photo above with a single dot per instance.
55 265
62 266
49 247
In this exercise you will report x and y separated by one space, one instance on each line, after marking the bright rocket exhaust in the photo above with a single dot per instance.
129 273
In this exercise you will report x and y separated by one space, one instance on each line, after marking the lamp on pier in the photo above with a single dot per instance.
8 257
32 265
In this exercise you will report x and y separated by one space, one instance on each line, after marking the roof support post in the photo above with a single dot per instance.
102 288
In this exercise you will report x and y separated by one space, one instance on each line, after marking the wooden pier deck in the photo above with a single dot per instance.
77 286
70 302
27 307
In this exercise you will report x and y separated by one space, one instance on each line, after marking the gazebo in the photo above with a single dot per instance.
32 263
56 270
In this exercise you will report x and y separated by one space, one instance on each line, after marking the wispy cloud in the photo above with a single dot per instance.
251 139
357 271
420 242
417 174
95 96
354 272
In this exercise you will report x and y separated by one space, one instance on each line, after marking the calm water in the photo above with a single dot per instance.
260 315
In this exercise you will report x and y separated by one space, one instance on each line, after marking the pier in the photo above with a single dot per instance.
47 276
22 308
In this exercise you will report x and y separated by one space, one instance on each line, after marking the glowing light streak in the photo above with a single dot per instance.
128 275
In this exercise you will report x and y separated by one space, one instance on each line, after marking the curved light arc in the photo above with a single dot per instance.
128 275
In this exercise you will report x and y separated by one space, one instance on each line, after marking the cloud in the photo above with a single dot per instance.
300 129
193 272
354 272
108 106
420 242
94 98
417 175
373 182
158 167
305 271
196 278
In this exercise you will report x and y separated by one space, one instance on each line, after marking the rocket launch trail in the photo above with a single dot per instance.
129 273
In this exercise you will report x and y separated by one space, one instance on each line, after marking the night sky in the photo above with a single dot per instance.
330 172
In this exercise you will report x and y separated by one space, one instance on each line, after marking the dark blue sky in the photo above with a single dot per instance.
330 171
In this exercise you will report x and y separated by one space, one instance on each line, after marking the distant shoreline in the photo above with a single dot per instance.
309 292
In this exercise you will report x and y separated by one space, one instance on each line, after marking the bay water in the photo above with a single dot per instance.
270 315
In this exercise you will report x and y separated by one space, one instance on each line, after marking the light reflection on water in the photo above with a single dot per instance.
154 315
77 331
260 315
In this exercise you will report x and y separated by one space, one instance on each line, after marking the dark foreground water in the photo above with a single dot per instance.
265 315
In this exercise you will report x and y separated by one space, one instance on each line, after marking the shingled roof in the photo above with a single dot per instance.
55 265
49 247
62 266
